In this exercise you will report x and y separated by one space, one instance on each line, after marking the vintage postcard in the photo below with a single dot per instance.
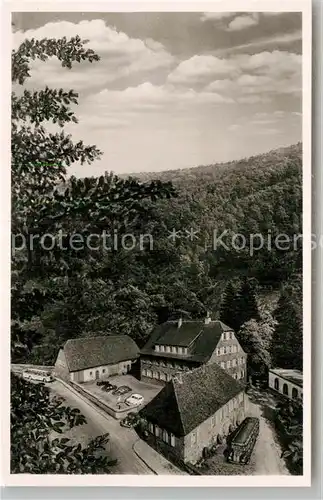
160 244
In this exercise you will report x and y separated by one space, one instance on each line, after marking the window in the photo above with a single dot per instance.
151 428
172 440
229 363
103 371
234 362
157 431
162 348
90 373
294 393
165 436
276 384
285 389
180 350
222 364
218 352
157 348
224 350
194 437
167 348
185 350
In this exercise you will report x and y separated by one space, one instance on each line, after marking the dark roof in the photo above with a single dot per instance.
89 352
183 405
180 336
205 336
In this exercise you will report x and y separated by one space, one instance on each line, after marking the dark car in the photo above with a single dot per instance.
130 420
100 382
110 387
124 389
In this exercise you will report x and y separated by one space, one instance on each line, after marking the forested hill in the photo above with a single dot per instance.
196 177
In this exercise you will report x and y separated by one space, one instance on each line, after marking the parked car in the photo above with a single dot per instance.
134 400
130 420
123 389
37 375
101 382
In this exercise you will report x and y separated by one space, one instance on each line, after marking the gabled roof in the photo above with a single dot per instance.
184 403
203 337
90 352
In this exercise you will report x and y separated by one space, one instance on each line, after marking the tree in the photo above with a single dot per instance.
36 420
45 201
287 341
246 304
228 310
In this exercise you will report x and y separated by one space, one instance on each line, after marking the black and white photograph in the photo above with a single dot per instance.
160 323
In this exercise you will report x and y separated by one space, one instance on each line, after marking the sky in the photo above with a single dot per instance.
176 90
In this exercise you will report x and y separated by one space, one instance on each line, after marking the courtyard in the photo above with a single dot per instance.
148 391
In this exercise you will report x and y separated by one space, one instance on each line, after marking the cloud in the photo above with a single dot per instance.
120 54
216 16
234 127
148 98
253 99
242 22
199 69
263 122
281 39
245 78
267 131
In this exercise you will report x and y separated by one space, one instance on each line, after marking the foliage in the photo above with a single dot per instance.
287 340
36 419
289 421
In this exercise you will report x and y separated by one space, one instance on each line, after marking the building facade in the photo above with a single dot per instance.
92 358
289 383
193 411
185 345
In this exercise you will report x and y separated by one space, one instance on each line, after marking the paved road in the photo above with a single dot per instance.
121 439
267 450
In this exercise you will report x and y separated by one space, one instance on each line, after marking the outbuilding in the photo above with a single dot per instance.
93 358
287 382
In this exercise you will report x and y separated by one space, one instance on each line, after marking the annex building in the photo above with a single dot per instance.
287 382
180 346
92 358
194 410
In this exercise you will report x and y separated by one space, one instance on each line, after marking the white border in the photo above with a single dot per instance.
303 6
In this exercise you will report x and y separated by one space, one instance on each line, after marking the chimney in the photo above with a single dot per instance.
180 321
208 318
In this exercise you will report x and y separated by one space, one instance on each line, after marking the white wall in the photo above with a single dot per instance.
105 371
282 381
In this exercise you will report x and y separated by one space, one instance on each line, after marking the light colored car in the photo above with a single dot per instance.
134 400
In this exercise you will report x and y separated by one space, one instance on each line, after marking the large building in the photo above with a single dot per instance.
184 345
193 411
92 358
287 382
